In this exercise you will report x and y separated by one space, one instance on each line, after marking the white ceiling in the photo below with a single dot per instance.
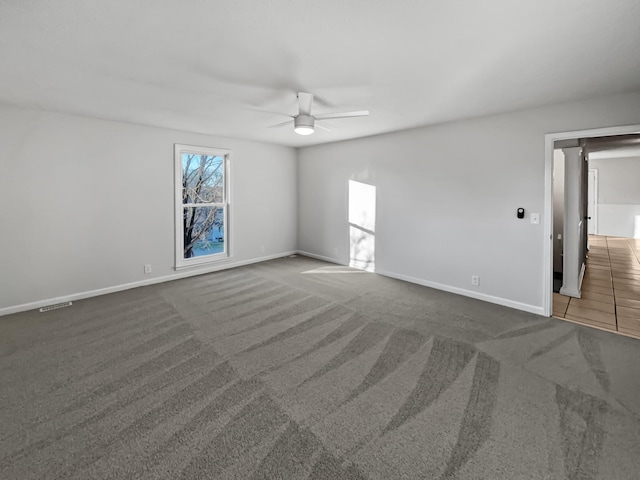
222 67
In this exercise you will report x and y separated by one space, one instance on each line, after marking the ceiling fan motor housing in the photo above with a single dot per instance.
304 123
303 120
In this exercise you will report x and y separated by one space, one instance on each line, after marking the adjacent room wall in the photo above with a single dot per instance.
618 196
558 208
447 197
85 203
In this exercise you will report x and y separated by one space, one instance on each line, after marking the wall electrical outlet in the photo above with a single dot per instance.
262 249
475 280
147 269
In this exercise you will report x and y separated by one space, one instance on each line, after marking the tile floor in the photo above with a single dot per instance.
610 289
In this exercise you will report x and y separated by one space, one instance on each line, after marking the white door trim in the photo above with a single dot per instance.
594 213
549 140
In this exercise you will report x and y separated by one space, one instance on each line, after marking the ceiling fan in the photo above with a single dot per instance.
304 122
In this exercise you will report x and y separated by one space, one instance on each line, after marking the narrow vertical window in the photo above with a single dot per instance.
201 204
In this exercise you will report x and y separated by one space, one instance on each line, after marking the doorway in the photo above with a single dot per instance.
609 296
550 142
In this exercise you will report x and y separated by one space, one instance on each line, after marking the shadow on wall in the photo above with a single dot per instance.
362 226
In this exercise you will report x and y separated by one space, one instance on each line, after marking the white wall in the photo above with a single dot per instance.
447 197
85 203
618 196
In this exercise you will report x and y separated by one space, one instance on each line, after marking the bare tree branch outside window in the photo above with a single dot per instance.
202 188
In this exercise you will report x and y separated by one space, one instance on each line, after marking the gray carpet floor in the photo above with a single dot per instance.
299 369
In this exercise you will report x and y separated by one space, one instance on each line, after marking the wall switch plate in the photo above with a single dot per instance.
475 280
535 218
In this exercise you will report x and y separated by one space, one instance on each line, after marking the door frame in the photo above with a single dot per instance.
594 214
549 140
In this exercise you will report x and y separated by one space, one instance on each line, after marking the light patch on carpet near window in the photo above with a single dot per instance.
338 269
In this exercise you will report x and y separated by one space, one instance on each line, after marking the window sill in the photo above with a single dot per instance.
202 262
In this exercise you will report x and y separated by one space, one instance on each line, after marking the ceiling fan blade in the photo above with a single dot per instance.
322 126
329 116
253 108
305 101
288 122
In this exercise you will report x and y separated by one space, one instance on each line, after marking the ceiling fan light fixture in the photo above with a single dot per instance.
303 124
304 130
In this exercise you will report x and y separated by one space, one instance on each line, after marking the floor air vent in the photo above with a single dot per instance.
56 306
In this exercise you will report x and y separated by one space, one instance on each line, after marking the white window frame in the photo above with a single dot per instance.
179 150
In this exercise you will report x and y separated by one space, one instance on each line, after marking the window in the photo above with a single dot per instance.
202 205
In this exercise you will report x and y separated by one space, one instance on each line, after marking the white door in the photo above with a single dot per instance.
592 203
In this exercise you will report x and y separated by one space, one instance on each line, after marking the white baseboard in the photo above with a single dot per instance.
214 268
142 283
538 310
319 257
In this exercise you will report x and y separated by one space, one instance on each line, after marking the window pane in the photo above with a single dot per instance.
202 178
203 231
